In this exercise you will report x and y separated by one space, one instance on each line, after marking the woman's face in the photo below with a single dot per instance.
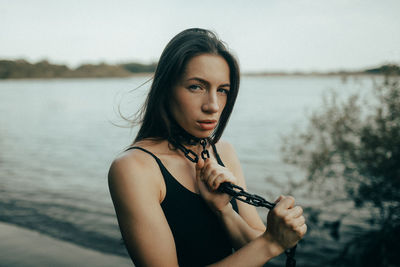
200 95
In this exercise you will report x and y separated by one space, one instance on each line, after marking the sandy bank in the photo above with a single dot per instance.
21 247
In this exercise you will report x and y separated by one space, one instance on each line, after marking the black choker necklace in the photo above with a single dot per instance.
181 137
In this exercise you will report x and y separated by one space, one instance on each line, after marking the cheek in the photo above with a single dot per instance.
175 108
222 103
181 105
189 102
184 104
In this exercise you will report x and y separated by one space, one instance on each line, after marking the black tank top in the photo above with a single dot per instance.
199 237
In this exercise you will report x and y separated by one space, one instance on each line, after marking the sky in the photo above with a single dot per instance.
265 35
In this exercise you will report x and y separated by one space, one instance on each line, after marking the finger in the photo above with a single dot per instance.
298 222
213 175
218 180
211 163
206 168
302 230
213 180
209 171
286 203
206 179
279 199
295 212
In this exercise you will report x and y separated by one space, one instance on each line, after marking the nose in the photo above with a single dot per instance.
210 104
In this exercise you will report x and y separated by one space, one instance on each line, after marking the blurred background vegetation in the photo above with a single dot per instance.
17 69
350 152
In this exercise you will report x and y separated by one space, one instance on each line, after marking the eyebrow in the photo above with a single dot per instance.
206 82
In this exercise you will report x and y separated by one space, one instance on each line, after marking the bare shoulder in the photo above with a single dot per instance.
134 169
135 160
226 151
135 188
230 159
129 162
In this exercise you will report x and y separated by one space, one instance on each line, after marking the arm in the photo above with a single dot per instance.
247 226
136 196
241 228
255 253
285 229
248 222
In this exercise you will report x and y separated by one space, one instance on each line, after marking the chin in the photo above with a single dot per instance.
203 134
199 133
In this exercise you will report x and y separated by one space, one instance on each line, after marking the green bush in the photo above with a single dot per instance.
351 151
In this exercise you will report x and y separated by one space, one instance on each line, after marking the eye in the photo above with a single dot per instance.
224 91
195 87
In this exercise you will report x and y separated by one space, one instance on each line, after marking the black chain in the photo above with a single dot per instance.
238 193
204 154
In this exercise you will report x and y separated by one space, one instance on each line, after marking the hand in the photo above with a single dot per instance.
286 223
209 175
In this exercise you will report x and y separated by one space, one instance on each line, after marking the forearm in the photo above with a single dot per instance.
255 253
239 231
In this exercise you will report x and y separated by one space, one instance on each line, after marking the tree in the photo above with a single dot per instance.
351 151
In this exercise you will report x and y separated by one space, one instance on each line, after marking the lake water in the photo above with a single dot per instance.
57 142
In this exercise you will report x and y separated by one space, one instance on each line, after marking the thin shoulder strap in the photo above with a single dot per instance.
217 155
148 152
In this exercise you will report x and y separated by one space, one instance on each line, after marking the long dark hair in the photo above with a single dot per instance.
156 120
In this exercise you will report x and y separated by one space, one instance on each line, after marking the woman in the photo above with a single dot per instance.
169 209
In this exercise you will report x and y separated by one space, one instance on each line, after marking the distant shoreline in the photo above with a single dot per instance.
349 74
144 75
22 69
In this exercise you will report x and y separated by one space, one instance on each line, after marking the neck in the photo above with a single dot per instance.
179 135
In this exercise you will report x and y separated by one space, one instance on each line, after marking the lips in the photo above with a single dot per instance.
207 124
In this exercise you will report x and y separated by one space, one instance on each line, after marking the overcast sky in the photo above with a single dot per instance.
266 35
